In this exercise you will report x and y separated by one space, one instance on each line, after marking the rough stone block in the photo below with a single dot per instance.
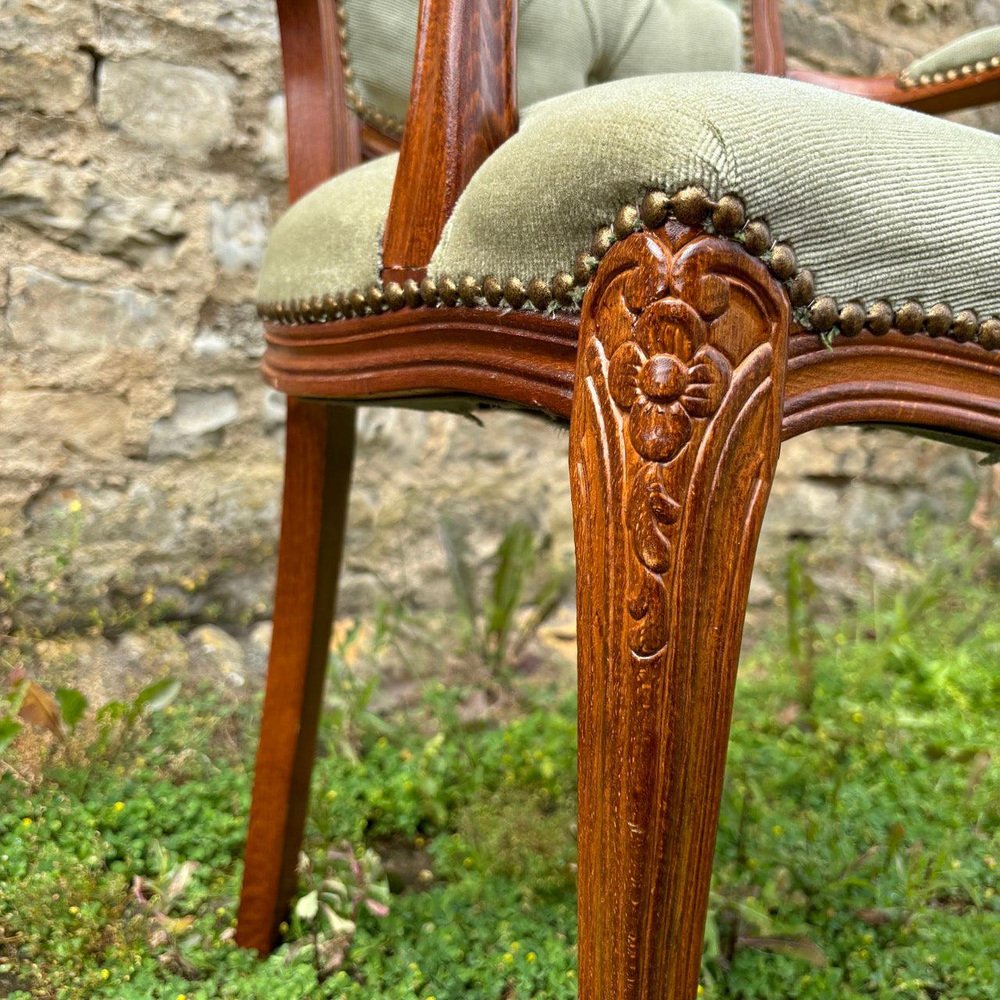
44 424
239 232
185 110
54 84
74 206
71 316
233 331
196 424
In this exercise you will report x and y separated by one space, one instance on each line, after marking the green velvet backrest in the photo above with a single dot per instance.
563 45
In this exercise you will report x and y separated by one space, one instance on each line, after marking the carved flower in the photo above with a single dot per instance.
664 393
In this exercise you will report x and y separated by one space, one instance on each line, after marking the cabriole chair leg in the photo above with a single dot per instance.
673 442
319 452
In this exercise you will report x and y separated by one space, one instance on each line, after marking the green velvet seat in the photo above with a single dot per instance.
877 202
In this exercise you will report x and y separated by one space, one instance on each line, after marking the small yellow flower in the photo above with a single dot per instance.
331 794
777 830
701 990
27 821
74 506
515 946
105 974
118 807
508 958
857 718
74 910
530 957
182 996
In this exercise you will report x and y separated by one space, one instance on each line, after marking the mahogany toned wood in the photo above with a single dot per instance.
528 358
324 138
463 106
673 442
932 98
764 40
319 453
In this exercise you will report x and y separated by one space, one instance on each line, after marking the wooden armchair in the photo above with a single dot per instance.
689 268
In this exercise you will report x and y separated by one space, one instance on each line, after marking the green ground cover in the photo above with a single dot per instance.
858 854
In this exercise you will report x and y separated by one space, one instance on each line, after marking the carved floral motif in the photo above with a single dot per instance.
666 378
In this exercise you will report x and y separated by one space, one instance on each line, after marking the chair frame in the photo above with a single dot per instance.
666 514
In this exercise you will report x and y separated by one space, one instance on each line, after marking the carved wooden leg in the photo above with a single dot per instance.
320 448
674 439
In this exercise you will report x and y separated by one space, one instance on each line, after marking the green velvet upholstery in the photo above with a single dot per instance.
879 202
563 45
972 53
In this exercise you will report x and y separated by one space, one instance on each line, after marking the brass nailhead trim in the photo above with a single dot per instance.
746 19
948 75
690 205
386 124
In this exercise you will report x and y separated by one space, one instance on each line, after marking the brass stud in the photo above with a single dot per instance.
757 237
910 317
654 209
375 298
626 221
428 291
562 288
965 326
515 293
583 267
492 291
344 304
852 319
602 242
411 292
802 288
394 296
939 320
783 263
690 205
539 293
330 308
823 314
729 215
989 333
468 289
880 317
448 290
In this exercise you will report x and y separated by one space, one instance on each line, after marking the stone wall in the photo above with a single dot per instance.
141 161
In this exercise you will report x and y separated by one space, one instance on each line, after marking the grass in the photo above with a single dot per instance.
857 857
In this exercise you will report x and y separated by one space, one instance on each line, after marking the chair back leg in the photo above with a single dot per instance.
318 458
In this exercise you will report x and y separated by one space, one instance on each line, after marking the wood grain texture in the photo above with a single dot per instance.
673 442
324 137
463 106
318 457
528 359
763 37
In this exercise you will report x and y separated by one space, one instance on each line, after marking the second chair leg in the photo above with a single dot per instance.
319 453
674 438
